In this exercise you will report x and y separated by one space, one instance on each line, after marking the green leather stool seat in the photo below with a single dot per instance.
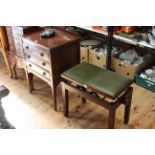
102 80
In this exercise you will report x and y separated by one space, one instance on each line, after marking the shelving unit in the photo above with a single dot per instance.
113 36
118 37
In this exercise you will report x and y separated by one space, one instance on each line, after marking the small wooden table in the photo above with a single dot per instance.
4 47
98 85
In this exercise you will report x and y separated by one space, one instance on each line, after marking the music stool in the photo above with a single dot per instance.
101 86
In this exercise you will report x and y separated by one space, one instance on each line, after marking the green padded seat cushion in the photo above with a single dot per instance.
97 78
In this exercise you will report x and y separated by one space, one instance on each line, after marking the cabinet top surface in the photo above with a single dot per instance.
61 37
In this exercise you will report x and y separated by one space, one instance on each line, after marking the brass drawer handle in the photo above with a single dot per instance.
27 47
41 54
44 64
44 73
30 65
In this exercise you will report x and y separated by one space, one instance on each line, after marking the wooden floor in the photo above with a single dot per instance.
29 111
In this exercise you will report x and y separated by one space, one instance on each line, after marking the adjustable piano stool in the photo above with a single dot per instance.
101 86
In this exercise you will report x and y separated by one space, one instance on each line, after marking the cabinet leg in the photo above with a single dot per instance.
111 119
30 81
54 98
65 100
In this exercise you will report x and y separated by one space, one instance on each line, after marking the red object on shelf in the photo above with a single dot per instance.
96 27
128 29
104 28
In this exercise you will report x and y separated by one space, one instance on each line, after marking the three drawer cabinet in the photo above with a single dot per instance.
49 58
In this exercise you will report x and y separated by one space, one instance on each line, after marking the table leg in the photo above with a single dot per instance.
6 59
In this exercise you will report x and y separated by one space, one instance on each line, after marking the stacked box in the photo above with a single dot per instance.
99 57
84 54
96 58
127 69
84 49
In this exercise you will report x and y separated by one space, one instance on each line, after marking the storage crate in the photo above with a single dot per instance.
148 84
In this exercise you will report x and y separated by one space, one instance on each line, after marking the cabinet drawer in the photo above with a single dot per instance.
43 73
42 63
30 50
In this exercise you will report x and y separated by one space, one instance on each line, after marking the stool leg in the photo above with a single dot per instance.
83 100
127 113
65 100
128 99
111 119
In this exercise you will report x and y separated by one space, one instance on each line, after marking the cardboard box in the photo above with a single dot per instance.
96 58
84 54
129 70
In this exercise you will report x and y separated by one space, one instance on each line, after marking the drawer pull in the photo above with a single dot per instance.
41 54
30 65
44 73
27 47
44 64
